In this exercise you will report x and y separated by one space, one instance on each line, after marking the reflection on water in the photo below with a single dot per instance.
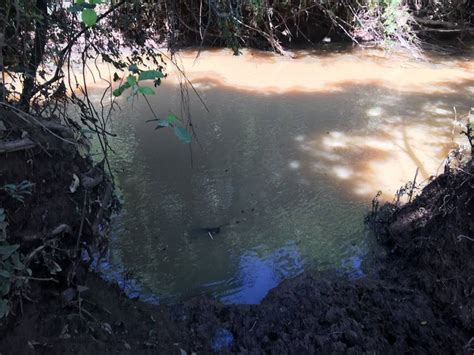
286 163
257 275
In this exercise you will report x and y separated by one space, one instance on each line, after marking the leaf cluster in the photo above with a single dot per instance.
14 275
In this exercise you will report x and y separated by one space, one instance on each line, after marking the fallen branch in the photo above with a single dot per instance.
13 146
447 30
25 116
445 24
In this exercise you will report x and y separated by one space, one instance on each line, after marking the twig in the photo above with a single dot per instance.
459 237
104 203
36 278
413 185
13 146
79 234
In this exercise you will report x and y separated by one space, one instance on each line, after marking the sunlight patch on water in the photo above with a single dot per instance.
294 164
383 159
313 71
342 172
375 111
321 71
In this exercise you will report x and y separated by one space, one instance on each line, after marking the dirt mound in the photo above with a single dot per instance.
430 245
53 202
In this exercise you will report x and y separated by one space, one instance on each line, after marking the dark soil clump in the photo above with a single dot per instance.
419 298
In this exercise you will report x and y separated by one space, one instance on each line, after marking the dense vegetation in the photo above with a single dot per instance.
39 39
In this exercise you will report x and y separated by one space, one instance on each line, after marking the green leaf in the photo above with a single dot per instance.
4 308
96 2
171 118
146 90
119 91
80 2
7 250
17 264
133 68
4 287
5 273
183 135
131 80
89 17
150 75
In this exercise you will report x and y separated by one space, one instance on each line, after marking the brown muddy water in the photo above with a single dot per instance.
287 159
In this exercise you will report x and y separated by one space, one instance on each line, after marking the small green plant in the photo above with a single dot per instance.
133 81
18 191
172 122
14 275
390 16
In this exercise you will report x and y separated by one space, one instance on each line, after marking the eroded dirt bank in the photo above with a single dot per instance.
418 296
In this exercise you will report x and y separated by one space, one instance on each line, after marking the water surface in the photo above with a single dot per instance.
287 160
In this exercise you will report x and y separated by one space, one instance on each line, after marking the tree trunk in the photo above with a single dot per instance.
41 32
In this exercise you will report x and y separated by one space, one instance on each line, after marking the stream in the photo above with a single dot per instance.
285 162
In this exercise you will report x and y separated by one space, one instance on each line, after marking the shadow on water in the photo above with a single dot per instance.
289 173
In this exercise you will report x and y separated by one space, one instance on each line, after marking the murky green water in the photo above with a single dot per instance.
288 173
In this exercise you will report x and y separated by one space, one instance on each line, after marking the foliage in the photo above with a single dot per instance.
172 122
14 275
132 81
86 31
18 191
277 24
87 10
